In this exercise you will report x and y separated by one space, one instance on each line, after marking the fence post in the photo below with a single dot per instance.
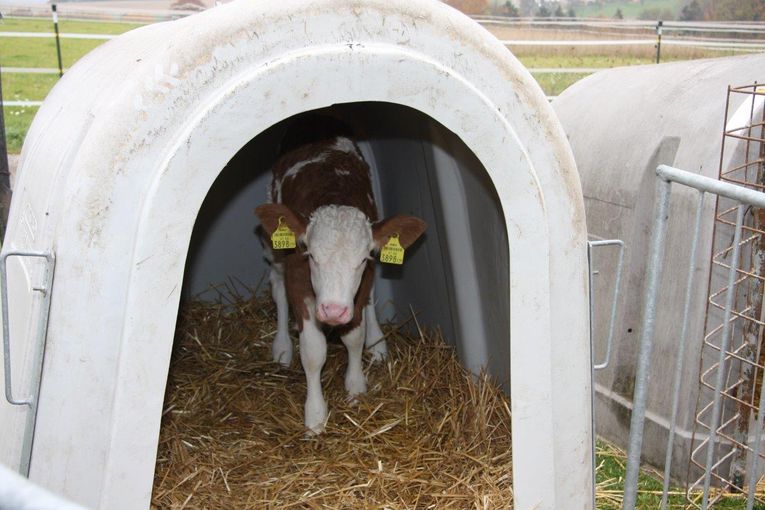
659 24
653 276
58 40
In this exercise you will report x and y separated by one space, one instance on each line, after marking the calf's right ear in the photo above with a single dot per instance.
269 215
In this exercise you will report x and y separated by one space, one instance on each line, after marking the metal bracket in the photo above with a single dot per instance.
39 346
615 297
42 324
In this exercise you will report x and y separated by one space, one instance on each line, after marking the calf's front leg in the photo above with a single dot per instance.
281 349
313 354
355 382
375 341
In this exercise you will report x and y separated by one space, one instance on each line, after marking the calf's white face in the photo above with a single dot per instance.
339 241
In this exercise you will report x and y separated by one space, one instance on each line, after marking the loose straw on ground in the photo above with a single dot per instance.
426 435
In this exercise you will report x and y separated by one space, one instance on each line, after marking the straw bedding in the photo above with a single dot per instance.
426 435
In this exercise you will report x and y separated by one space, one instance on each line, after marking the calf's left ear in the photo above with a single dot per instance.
408 228
270 214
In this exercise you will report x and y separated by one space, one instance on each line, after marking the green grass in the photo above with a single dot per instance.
21 52
17 121
629 9
65 26
36 52
555 83
531 59
27 87
610 472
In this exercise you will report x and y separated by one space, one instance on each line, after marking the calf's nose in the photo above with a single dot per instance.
334 314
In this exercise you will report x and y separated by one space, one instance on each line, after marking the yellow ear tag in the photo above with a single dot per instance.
283 238
392 252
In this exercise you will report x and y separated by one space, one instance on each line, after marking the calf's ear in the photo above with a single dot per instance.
408 228
269 215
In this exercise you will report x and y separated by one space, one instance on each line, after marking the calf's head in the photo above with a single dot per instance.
339 240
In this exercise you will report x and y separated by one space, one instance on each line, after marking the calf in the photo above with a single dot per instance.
322 191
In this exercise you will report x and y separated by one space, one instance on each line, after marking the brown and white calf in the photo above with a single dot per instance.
323 192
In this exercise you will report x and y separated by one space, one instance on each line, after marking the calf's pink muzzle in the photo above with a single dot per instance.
333 314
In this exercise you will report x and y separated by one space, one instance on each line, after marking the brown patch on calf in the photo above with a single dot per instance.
340 178
408 228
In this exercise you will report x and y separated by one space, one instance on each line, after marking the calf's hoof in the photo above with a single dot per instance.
379 351
315 416
282 350
355 385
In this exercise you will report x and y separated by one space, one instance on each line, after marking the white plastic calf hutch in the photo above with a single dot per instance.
129 145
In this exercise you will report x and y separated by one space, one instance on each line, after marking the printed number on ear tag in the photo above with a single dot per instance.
392 252
283 238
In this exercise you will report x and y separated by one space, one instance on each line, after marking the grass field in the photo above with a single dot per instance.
65 26
38 52
27 86
17 122
611 463
555 83
594 56
23 87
